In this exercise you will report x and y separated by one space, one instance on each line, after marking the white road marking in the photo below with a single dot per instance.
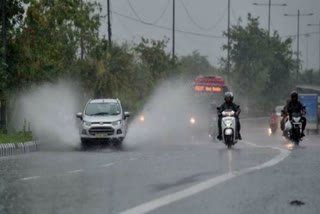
177 196
133 159
29 178
75 171
107 165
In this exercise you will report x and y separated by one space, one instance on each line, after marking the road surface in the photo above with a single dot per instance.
169 175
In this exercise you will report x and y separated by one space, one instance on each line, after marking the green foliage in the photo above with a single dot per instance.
16 137
60 38
261 66
152 54
196 64
50 39
311 77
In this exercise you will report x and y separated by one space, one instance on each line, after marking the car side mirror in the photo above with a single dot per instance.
79 115
126 115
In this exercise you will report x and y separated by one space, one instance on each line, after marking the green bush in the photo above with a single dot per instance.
17 137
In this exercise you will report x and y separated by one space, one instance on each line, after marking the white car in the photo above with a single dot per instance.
103 120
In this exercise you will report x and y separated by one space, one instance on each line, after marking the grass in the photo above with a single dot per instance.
16 137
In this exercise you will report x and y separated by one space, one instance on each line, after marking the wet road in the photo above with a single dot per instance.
168 176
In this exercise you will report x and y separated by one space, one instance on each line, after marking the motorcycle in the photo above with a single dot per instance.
294 128
229 128
273 125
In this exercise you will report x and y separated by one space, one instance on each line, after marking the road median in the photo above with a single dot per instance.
8 149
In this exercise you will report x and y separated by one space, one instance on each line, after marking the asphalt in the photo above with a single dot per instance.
154 174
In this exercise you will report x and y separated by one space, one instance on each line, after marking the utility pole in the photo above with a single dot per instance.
81 35
307 36
173 29
109 25
298 35
298 41
3 122
229 41
319 39
269 11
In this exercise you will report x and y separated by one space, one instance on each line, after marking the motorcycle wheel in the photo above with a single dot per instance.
228 141
296 136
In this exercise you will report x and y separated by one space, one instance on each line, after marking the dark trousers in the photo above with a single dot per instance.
238 125
304 123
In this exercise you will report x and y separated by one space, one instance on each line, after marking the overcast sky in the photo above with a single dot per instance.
209 17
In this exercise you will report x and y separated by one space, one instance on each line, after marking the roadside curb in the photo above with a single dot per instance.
8 149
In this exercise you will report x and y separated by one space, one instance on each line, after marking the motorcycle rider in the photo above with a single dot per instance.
295 106
229 105
273 120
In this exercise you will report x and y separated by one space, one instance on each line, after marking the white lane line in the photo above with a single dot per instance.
107 165
177 196
75 171
133 159
29 178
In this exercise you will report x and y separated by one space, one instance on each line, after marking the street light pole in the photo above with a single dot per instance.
109 25
269 18
269 11
298 42
173 29
228 57
298 15
319 39
307 36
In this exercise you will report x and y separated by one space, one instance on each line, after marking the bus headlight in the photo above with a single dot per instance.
192 121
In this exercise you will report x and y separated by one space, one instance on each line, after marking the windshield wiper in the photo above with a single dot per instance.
115 114
101 113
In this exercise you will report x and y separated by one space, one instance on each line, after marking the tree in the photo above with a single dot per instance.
14 16
195 64
261 67
51 37
152 53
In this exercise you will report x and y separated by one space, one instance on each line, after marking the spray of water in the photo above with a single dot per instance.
50 109
166 116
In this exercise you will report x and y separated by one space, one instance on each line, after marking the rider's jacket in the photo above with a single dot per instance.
229 106
294 107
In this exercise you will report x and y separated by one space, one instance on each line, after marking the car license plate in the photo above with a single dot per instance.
101 135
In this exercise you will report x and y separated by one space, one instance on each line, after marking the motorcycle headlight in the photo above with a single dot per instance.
116 123
142 118
86 123
296 119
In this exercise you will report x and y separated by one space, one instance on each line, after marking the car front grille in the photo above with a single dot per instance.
100 123
101 130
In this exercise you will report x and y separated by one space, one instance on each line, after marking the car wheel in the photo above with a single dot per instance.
84 144
118 143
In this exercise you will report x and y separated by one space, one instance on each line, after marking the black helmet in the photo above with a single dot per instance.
228 95
293 95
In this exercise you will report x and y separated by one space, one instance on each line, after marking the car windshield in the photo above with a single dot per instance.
102 109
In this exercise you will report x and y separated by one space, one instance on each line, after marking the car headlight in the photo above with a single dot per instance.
192 120
116 123
86 123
